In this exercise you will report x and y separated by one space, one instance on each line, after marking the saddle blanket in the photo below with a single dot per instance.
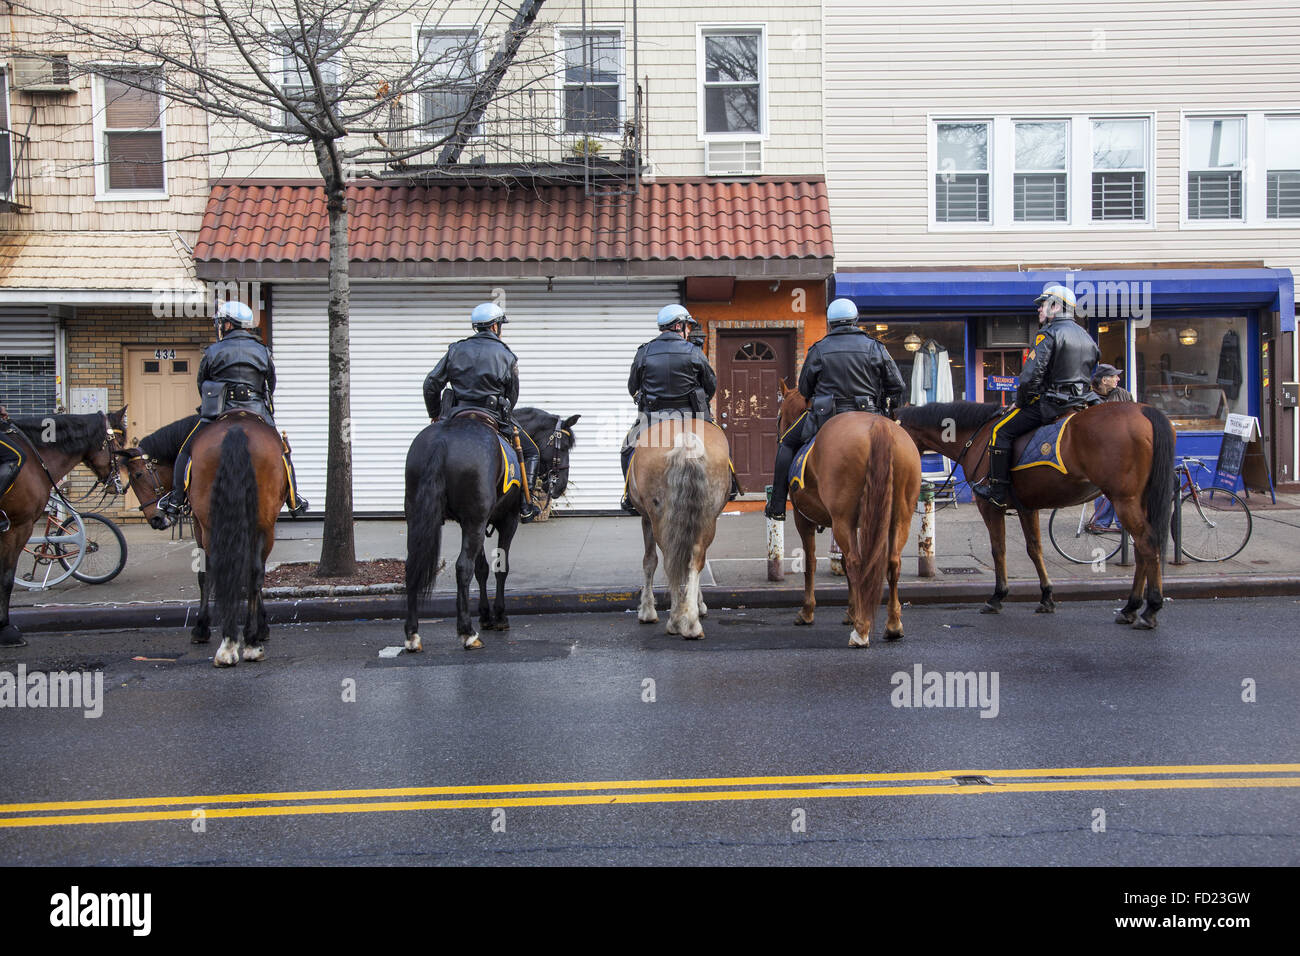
1042 447
797 466
510 461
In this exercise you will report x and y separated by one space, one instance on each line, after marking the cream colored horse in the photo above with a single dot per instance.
678 481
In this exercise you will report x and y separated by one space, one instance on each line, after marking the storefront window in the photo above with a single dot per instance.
931 356
1194 370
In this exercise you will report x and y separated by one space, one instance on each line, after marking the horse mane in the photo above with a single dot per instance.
963 415
165 443
72 433
538 420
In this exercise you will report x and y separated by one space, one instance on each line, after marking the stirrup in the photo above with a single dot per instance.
626 505
986 492
170 506
529 513
4 522
772 514
301 509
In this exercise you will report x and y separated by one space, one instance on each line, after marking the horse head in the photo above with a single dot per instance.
793 404
144 477
102 460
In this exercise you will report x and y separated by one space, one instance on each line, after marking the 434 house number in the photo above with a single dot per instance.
164 353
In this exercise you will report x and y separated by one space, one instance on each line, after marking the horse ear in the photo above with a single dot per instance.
785 389
568 422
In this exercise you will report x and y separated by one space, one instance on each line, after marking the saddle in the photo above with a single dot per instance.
1042 446
486 417
797 466
510 470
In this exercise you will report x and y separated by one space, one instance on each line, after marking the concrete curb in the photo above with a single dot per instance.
389 606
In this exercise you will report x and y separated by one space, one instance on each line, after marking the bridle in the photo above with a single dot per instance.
555 441
149 462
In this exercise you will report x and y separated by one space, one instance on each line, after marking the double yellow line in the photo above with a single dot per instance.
623 792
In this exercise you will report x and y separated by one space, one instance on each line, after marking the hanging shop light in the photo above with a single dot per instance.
1188 336
912 343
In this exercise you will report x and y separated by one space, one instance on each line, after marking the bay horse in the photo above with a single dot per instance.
51 446
455 471
861 479
238 484
1123 450
678 480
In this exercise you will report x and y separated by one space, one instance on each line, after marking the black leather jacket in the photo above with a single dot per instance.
667 372
848 363
1060 365
482 372
238 359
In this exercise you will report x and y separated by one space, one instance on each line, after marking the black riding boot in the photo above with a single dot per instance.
780 483
734 493
8 473
528 510
626 459
298 505
999 480
174 503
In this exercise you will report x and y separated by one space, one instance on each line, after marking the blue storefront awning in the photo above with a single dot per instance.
1137 291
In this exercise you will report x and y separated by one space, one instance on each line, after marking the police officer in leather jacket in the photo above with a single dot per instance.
483 374
670 376
1056 377
847 371
236 372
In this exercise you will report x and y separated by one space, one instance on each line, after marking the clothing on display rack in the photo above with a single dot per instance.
931 374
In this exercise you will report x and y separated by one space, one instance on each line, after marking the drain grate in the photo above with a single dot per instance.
960 570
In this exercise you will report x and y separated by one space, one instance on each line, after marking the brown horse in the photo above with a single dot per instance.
1120 449
51 447
238 484
861 480
678 480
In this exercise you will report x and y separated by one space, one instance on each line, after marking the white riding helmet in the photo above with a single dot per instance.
486 315
841 312
237 314
1054 290
670 315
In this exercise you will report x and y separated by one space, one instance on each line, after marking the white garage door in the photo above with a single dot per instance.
574 344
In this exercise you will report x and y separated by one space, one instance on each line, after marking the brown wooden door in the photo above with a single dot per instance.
161 387
750 365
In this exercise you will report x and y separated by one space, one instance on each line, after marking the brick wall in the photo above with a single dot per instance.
94 340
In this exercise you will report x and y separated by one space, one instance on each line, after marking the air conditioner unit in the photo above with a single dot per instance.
739 158
1005 331
43 74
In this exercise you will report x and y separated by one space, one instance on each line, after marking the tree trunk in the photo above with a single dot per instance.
338 549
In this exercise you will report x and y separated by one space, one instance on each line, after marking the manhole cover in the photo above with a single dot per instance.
960 570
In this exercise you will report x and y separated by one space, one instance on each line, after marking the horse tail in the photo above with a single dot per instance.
874 510
1160 483
233 515
689 499
424 517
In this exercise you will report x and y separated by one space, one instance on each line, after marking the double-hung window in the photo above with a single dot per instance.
961 182
1119 170
592 78
6 142
298 54
1040 185
733 82
451 58
1282 159
131 143
1215 161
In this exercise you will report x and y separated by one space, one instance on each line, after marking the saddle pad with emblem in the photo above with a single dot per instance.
797 466
1042 447
510 461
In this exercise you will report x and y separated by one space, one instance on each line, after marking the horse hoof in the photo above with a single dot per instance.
1122 618
693 637
199 638
413 645
798 619
857 640
1045 609
848 619
1145 624
991 609
704 611
472 642
893 635
10 636
650 617
255 652
226 656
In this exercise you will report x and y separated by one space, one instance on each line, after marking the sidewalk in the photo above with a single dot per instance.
595 562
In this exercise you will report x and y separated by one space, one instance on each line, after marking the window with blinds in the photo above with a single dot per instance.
134 151
1119 170
297 56
452 59
961 181
1039 186
6 141
1282 158
1215 160
593 81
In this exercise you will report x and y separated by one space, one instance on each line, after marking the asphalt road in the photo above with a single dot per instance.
590 739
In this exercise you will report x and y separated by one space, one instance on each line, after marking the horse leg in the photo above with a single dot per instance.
1034 547
505 534
808 540
898 532
256 629
1146 573
996 522
484 602
10 636
201 633
471 549
686 600
646 613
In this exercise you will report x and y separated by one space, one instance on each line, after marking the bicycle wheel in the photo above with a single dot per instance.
104 556
51 554
1068 530
1216 524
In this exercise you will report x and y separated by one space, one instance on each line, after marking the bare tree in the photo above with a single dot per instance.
336 76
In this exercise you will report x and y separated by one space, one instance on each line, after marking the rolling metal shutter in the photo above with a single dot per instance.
26 331
575 345
28 361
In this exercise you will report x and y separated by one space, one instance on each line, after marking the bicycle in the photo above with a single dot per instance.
1216 524
68 543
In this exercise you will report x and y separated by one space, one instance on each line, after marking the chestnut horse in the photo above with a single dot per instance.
51 447
861 480
1120 449
238 484
678 480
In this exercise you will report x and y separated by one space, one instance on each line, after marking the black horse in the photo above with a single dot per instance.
455 471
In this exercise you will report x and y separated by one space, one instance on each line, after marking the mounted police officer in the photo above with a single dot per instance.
1056 377
481 372
847 371
670 377
236 372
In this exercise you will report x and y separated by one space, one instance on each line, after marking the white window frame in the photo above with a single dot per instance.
1254 178
1068 172
561 34
480 65
1002 171
278 70
99 108
8 196
703 30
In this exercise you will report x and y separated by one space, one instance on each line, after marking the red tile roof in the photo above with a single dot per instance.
673 221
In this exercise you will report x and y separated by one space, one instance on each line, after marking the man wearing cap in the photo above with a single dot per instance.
846 371
1055 378
1105 382
669 375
